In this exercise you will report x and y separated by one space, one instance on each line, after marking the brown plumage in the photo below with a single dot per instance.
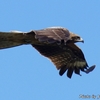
55 43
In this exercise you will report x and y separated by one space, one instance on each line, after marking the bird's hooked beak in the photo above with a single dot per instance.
81 40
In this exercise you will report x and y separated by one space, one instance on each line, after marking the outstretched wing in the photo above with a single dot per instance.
64 58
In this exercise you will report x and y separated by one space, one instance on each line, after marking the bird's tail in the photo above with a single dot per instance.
14 38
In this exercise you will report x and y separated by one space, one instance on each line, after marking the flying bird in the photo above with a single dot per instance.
55 43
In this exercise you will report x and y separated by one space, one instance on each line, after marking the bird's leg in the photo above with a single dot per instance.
90 69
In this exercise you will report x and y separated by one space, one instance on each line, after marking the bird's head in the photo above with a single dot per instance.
75 38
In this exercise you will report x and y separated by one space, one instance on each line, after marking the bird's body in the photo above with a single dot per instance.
55 43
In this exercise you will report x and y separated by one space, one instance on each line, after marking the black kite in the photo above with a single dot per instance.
55 43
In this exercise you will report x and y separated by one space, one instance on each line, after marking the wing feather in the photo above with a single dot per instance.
77 71
70 72
63 70
52 35
63 57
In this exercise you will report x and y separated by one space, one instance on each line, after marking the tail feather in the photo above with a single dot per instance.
11 39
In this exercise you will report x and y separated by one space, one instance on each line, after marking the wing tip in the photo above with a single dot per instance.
62 70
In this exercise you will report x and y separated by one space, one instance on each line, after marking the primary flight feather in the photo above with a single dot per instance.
55 43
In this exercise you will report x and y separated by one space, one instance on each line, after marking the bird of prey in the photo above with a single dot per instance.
55 43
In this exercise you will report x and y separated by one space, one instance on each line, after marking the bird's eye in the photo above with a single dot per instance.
77 37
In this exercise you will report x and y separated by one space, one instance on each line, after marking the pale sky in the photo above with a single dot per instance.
25 74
